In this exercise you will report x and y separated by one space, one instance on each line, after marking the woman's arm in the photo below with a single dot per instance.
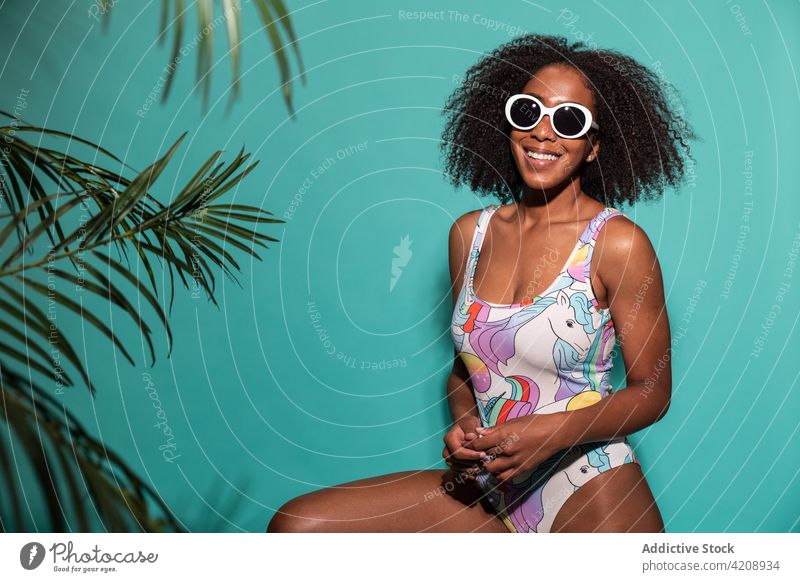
629 270
460 396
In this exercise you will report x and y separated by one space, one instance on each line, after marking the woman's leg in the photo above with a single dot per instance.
408 501
618 500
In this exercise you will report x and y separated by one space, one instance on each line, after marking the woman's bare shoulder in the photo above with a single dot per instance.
463 228
622 236
623 251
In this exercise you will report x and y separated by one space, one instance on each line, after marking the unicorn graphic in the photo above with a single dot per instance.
562 321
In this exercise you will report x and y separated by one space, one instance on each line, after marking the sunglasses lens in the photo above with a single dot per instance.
569 120
524 113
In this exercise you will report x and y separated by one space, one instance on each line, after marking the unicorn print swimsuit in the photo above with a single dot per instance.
548 354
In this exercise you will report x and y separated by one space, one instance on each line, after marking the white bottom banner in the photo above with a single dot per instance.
388 556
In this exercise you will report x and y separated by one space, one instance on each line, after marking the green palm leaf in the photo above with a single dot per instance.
84 468
66 237
192 236
274 17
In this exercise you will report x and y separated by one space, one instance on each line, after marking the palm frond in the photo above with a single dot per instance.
278 7
63 241
273 15
34 322
188 236
47 191
233 20
73 468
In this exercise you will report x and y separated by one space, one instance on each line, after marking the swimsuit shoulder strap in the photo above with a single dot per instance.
477 238
482 226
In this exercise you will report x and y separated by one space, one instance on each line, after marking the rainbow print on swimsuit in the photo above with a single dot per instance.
548 354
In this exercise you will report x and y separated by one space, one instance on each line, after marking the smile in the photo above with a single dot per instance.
538 159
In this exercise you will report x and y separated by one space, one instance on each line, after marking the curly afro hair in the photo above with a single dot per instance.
643 139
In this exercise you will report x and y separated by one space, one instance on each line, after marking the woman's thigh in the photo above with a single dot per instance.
618 500
407 501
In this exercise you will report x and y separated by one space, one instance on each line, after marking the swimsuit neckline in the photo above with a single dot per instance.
471 288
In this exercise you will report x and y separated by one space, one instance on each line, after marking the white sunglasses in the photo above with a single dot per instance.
569 120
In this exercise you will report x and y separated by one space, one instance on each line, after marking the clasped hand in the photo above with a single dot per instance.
504 450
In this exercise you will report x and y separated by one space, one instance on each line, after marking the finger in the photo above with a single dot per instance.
452 440
485 445
466 454
499 464
508 474
458 464
505 475
486 441
459 459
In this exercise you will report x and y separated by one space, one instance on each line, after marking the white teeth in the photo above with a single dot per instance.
538 156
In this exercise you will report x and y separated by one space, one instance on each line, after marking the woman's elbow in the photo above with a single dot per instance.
663 405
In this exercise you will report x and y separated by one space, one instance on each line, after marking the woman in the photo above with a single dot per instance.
560 135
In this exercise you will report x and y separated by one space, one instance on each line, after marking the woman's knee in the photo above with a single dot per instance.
295 516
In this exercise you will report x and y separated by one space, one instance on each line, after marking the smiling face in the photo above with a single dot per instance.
553 84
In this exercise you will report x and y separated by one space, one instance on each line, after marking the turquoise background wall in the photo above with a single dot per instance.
323 368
